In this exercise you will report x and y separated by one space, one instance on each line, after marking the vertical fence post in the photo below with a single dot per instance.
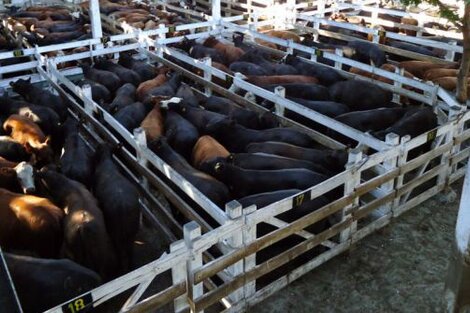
450 55
354 158
141 139
88 102
400 162
249 235
338 52
208 76
392 140
281 92
250 97
234 88
458 278
234 212
161 37
459 128
443 177
400 71
191 232
216 13
95 19
178 274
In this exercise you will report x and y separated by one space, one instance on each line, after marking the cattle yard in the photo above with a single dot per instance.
222 260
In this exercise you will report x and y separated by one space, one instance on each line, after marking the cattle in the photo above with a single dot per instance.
181 134
226 107
328 108
206 149
281 79
26 132
283 34
248 68
146 71
243 182
367 52
131 116
40 96
230 53
76 160
99 92
368 121
153 123
126 75
303 91
264 161
119 200
125 95
413 124
440 72
13 150
185 92
197 116
326 75
199 51
84 224
306 206
44 283
418 68
18 178
30 223
408 21
333 160
360 95
254 56
412 48
236 137
168 88
449 83
110 80
145 87
208 185
46 118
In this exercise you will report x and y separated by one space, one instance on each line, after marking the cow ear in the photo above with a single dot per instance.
48 140
12 84
29 80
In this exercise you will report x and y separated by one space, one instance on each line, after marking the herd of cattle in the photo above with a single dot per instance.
68 217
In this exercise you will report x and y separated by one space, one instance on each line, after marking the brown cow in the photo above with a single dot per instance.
281 79
409 21
153 122
230 52
418 68
266 43
148 85
440 72
28 133
207 148
448 83
283 34
30 223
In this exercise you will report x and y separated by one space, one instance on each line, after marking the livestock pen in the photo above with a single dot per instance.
370 181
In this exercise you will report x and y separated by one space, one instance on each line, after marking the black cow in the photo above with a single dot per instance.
303 90
40 96
180 133
76 160
326 75
99 92
86 240
208 185
225 106
125 75
197 116
110 80
131 115
367 52
333 160
44 283
242 182
125 96
12 150
119 200
236 137
146 71
360 95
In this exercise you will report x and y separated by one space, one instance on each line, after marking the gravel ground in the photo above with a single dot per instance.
399 269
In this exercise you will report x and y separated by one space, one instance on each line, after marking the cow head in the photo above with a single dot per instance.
25 174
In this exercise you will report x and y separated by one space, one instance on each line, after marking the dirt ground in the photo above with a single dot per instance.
400 269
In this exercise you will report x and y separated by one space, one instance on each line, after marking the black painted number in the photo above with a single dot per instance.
82 304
